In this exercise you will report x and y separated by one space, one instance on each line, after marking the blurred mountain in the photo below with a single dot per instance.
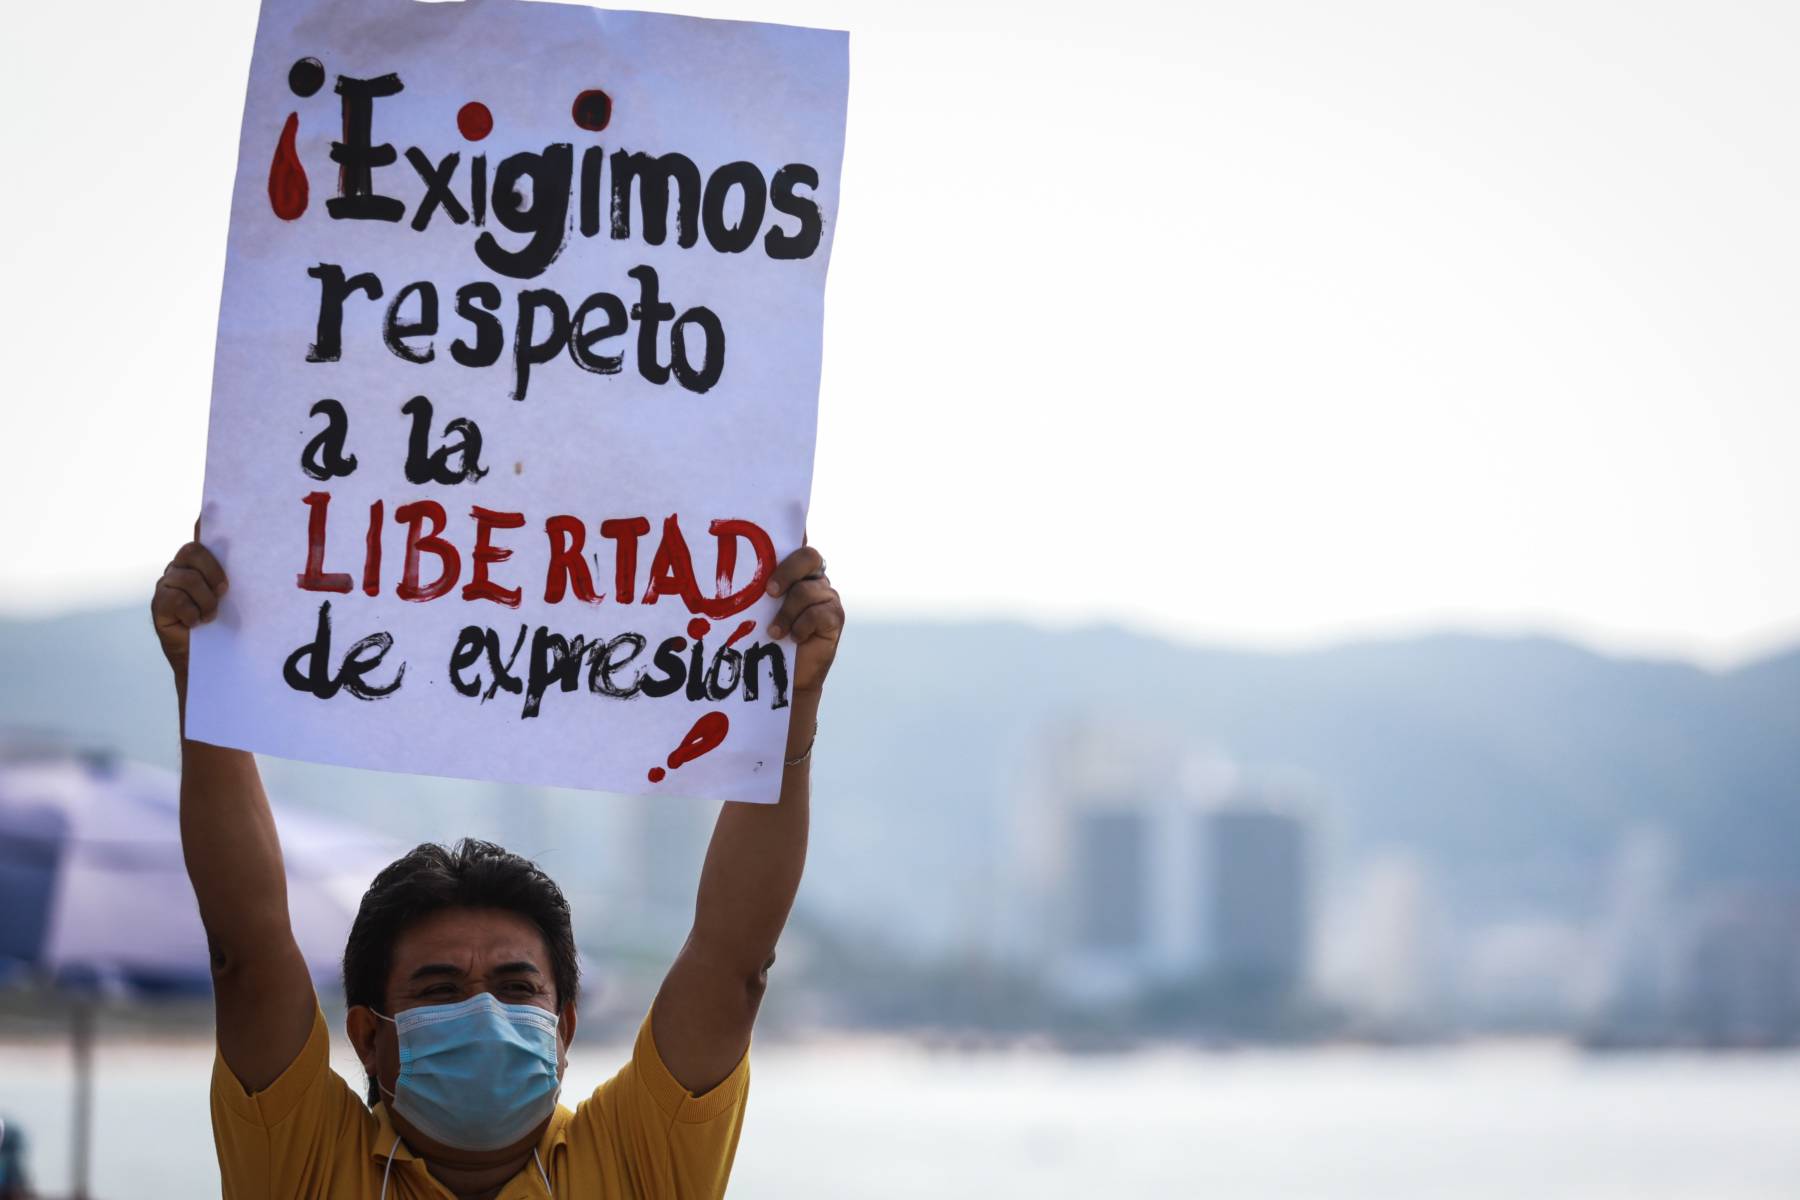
1511 766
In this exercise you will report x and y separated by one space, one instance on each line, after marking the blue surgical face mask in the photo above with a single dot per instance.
477 1074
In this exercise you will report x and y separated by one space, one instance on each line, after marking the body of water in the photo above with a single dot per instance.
863 1120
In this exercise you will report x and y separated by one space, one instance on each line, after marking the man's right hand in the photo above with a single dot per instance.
263 996
187 595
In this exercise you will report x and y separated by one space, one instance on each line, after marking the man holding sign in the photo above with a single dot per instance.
461 978
509 453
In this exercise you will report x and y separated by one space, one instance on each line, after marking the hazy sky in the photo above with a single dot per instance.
1265 321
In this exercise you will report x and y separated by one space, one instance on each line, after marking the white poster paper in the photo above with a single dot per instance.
515 391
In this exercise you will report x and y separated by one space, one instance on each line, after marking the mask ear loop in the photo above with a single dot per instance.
391 1097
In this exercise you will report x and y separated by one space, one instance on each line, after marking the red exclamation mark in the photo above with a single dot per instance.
706 735
287 178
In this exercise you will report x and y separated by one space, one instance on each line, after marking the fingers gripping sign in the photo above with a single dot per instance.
186 595
811 612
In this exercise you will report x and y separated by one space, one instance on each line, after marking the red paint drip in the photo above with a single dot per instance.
698 627
592 110
288 191
740 631
706 735
474 121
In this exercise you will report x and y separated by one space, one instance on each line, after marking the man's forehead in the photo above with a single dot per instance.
470 937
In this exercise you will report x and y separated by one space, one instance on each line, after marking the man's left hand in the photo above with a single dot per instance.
811 613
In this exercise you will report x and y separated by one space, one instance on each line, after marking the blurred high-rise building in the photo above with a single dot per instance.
1380 954
1141 860
1091 893
1627 992
1257 902
1109 871
1740 978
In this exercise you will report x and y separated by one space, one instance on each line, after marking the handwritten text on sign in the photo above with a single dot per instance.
516 388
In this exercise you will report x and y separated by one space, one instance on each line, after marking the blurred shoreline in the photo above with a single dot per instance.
1484 1120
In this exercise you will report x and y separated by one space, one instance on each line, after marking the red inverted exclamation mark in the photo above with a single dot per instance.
287 177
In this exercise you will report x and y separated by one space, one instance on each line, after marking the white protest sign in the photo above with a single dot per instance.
515 391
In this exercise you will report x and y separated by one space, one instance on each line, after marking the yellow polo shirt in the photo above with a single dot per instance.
640 1136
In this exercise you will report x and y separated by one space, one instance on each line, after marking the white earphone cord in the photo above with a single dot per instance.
387 1170
542 1174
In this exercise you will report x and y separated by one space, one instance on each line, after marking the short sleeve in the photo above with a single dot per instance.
281 1141
664 1140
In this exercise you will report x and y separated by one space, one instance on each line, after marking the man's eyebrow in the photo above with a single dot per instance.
433 969
517 968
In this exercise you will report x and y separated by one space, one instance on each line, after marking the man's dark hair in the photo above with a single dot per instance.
431 877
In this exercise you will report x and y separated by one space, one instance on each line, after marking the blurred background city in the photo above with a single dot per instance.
1326 724
1401 841
1492 857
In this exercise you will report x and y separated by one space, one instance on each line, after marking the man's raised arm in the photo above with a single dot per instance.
702 1016
263 996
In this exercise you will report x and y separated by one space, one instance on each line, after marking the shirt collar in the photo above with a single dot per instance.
556 1133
